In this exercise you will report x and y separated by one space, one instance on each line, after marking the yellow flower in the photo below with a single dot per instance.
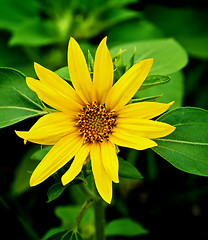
92 117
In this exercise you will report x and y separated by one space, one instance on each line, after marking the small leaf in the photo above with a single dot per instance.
172 90
55 191
127 170
187 147
131 61
55 232
67 214
124 227
63 73
63 235
22 103
90 62
118 66
146 99
40 154
154 80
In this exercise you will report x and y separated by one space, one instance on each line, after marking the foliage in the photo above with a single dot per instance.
186 148
22 102
116 227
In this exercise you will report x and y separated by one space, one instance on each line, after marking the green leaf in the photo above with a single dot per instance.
13 13
124 227
35 32
127 170
63 235
22 174
103 18
119 15
171 91
67 214
187 147
154 80
168 54
90 62
17 101
13 57
54 233
55 191
138 30
63 73
131 61
60 233
146 99
40 153
118 66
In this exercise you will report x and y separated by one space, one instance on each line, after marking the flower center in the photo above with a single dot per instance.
95 122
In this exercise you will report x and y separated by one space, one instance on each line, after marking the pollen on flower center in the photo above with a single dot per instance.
95 122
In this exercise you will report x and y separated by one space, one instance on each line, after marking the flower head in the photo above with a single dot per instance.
92 117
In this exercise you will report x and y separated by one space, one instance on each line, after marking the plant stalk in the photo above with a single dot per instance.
99 218
85 206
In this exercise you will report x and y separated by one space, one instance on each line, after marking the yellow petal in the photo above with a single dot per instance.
49 129
52 97
76 165
126 87
143 128
78 71
110 160
103 72
144 110
61 153
102 180
128 140
52 80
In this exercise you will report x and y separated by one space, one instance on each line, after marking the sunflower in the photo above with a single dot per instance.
92 117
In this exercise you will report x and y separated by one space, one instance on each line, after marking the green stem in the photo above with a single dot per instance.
87 192
85 206
99 213
81 213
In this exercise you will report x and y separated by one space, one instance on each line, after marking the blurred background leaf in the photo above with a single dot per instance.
132 228
168 55
15 13
23 172
35 33
133 31
189 27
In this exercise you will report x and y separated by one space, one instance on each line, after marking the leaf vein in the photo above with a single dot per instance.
23 108
181 141
29 99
